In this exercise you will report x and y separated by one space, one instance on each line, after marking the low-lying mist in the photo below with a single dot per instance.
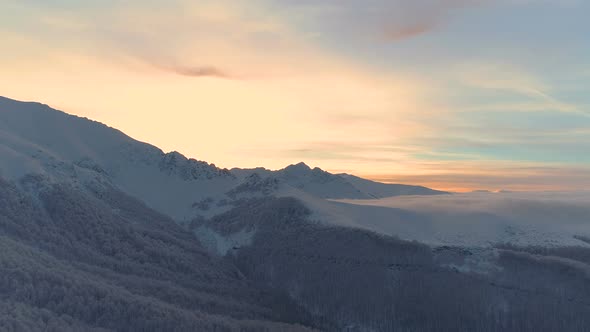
527 218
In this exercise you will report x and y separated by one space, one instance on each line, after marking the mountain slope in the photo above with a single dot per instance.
79 252
101 259
37 139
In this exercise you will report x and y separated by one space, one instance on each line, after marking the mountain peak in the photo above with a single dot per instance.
297 168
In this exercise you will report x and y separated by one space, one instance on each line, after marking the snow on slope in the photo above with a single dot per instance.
37 139
474 219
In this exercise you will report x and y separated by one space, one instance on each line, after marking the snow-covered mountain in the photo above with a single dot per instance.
87 243
35 139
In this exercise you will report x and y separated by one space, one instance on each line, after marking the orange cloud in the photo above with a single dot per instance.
420 17
395 34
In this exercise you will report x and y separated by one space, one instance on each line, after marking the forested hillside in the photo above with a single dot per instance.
361 281
73 259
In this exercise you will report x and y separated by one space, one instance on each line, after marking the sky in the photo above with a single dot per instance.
453 94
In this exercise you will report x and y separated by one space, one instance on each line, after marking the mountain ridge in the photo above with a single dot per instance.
63 146
316 181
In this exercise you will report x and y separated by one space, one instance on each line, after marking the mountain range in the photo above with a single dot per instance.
101 232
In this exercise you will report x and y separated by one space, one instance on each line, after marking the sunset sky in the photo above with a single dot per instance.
453 94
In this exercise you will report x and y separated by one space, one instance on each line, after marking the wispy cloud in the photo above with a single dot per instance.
218 39
198 71
494 76
389 20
